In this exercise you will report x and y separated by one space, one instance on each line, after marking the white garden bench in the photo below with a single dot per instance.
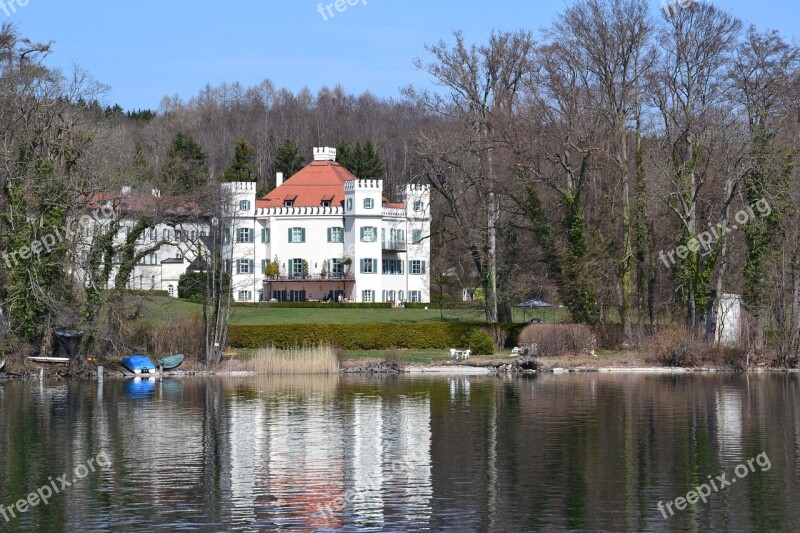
459 354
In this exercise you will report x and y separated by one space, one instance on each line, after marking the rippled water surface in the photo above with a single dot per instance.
545 453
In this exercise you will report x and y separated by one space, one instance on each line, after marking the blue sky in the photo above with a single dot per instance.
145 50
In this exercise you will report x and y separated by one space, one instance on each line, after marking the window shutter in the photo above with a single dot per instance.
290 235
263 266
252 265
423 267
238 267
330 234
362 234
263 235
362 265
373 296
303 235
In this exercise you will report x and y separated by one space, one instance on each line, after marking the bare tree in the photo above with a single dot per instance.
482 87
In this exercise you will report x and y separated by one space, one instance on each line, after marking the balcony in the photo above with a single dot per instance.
334 277
394 246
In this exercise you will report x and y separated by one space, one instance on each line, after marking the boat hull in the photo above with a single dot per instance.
171 362
139 364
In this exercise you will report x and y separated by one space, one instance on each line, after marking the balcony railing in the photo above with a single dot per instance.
312 277
394 246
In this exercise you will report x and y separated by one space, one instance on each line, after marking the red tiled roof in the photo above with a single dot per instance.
143 203
320 180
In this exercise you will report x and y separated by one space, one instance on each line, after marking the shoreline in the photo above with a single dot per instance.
357 368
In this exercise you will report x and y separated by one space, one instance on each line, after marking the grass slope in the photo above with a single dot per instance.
163 309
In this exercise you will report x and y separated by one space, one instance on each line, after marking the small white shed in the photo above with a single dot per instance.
729 320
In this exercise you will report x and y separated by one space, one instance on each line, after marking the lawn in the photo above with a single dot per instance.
255 317
162 309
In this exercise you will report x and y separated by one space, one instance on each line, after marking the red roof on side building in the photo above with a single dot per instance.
320 180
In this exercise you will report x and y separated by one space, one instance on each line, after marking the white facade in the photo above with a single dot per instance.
174 249
388 248
366 250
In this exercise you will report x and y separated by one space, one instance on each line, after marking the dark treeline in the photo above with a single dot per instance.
269 118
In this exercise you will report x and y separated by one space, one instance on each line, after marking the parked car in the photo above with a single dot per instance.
537 321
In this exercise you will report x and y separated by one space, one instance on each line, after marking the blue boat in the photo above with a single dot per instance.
139 364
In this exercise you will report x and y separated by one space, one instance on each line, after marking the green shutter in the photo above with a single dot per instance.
238 267
268 234
330 234
303 235
263 235
362 234
362 266
423 267
263 266
252 266
290 234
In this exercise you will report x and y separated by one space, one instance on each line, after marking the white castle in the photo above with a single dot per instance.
335 238
330 235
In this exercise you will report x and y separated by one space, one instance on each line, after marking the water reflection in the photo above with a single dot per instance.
402 453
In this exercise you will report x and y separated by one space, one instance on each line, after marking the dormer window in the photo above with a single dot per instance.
288 203
326 203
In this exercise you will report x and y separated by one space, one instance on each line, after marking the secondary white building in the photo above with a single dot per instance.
332 236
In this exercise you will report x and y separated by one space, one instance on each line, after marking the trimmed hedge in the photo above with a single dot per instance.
479 342
414 336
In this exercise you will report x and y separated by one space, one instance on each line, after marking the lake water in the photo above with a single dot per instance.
546 453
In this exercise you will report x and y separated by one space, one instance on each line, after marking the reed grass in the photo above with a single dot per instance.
307 360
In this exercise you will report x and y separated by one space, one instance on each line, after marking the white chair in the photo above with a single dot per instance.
454 354
466 353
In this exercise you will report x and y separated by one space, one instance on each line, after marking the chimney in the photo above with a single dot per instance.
278 179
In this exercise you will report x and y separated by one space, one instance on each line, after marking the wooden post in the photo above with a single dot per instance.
100 374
